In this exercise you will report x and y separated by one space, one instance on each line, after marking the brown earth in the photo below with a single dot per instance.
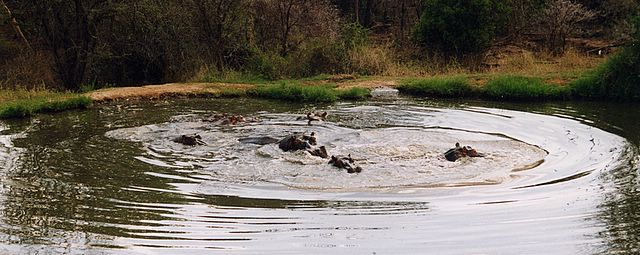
163 91
200 89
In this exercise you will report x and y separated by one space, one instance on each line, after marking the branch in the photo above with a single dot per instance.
14 24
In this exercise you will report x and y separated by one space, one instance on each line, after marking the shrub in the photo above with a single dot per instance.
618 78
459 27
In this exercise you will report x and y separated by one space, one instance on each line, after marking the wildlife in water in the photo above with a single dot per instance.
226 119
297 142
454 154
191 140
346 163
314 116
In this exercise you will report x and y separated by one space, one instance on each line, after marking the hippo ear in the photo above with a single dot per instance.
313 133
457 144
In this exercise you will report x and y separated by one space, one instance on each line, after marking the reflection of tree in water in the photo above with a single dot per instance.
71 179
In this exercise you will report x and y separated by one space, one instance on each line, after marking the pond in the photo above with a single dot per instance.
557 178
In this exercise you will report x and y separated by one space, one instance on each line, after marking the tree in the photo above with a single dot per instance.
14 24
290 23
68 30
218 21
562 19
459 27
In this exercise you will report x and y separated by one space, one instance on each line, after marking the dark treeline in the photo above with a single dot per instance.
76 42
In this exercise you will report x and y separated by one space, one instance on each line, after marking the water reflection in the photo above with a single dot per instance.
619 211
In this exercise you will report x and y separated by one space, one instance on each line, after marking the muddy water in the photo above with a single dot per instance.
555 179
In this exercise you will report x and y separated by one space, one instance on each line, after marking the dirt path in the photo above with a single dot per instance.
194 89
162 91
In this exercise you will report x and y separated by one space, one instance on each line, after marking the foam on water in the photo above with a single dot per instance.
402 156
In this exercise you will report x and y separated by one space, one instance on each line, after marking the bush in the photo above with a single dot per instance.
618 78
457 86
459 27
513 87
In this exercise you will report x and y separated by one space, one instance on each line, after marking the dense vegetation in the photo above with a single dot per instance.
618 78
73 43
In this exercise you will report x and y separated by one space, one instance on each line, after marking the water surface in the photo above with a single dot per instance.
557 179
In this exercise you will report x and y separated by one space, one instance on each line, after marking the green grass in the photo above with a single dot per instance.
455 86
295 91
20 104
354 93
512 87
618 79
502 87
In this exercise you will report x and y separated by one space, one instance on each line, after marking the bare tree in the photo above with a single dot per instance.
289 23
14 24
561 19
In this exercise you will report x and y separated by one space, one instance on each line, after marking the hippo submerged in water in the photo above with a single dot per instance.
345 162
307 143
191 140
314 116
459 152
303 142
226 119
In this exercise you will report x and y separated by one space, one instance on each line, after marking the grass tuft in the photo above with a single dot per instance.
512 87
42 102
354 93
456 86
295 92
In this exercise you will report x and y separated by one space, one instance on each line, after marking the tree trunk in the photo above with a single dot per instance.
357 10
16 27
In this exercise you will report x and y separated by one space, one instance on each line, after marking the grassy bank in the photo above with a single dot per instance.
20 104
295 91
488 86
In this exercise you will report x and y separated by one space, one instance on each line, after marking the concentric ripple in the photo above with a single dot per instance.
109 180
399 147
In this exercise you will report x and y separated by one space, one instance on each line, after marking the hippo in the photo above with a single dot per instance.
314 116
259 140
459 152
319 152
225 119
191 140
297 142
303 142
346 163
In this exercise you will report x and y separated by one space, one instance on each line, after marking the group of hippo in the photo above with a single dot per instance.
309 143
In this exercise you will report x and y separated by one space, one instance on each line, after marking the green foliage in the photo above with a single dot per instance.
353 35
459 27
354 93
511 87
295 92
618 78
457 86
51 103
